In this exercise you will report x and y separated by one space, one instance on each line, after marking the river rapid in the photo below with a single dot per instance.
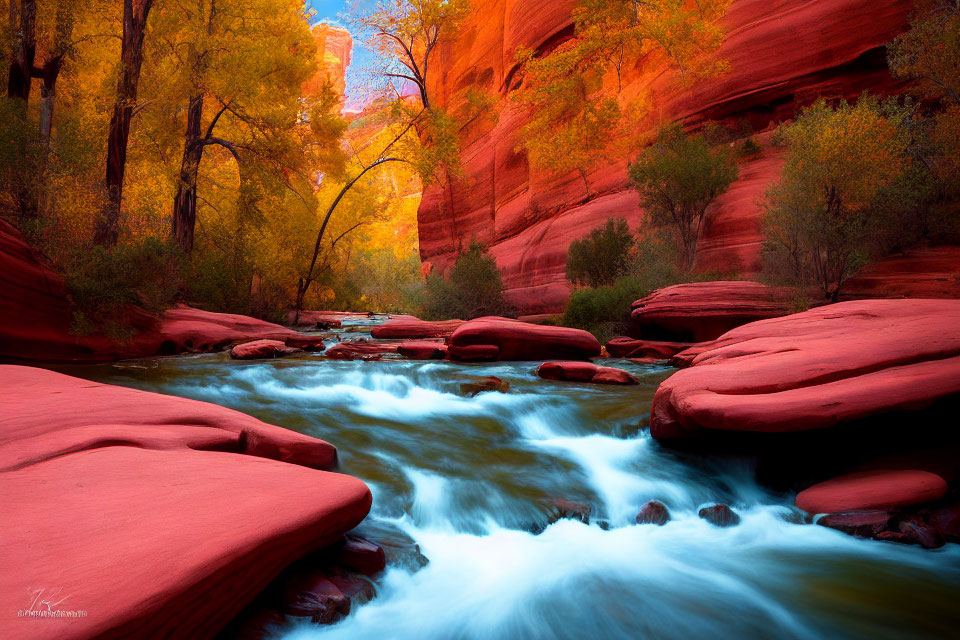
471 482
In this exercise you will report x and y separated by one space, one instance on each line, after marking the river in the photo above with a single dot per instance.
471 482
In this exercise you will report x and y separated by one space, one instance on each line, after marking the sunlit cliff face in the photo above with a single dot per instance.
334 50
781 55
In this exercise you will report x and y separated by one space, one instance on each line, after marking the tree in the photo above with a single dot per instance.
678 177
601 256
473 288
406 33
135 14
575 117
840 160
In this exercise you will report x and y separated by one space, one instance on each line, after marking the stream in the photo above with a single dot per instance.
469 480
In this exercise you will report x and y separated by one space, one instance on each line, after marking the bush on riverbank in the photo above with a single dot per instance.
472 288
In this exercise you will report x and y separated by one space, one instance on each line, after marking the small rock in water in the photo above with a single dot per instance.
489 383
567 510
653 512
359 555
257 349
720 515
311 594
863 523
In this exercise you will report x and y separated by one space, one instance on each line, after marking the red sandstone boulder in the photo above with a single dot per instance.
329 319
584 372
704 310
407 327
624 347
822 368
258 349
879 489
184 329
159 516
423 350
519 341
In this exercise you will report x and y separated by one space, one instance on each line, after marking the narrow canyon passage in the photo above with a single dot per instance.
472 482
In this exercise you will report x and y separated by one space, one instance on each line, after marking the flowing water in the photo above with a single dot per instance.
469 480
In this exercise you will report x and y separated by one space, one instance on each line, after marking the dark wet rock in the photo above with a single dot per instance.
487 383
719 515
358 555
922 533
358 588
311 594
306 343
863 523
653 512
568 510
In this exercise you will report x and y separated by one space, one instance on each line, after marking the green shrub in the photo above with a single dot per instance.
748 148
473 288
105 282
604 311
601 256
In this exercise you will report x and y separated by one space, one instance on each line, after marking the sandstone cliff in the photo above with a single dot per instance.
782 53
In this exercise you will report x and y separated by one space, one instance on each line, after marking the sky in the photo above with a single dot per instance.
329 11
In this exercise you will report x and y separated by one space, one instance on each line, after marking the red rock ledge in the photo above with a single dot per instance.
821 368
157 516
492 338
705 310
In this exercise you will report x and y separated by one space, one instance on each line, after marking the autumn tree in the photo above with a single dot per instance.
678 177
575 117
135 15
818 217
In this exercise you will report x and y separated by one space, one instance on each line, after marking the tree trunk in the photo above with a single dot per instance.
48 96
135 14
23 32
185 202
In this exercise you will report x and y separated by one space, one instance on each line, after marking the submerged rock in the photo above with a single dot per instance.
259 349
488 383
864 523
653 512
360 349
311 594
719 515
359 555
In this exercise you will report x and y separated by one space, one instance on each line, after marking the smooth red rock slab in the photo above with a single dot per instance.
925 272
185 329
822 368
521 341
408 327
584 372
423 350
259 349
624 347
879 489
474 353
361 349
704 310
158 516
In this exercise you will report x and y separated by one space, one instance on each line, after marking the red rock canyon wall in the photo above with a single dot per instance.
782 53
